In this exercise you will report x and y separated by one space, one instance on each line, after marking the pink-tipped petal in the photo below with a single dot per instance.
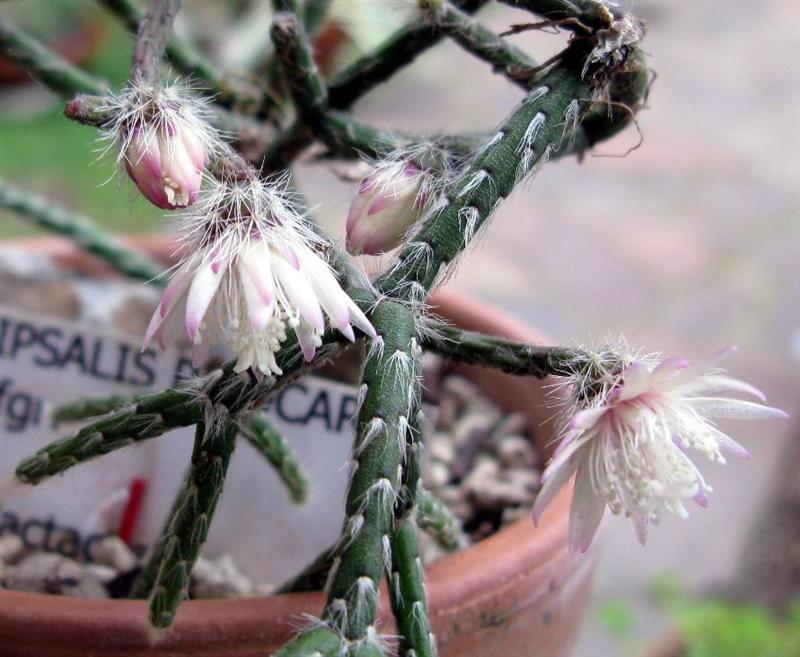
359 319
258 311
305 336
636 380
640 527
734 409
712 383
701 497
566 441
300 293
588 417
732 447
152 328
193 145
380 203
256 264
565 455
586 512
175 288
347 331
201 292
554 483
325 285
669 369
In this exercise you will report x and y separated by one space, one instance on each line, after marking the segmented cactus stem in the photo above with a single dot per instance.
270 444
166 575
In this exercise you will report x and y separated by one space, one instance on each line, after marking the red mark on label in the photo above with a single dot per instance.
133 509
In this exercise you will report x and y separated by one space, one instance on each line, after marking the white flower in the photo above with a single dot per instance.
254 275
629 442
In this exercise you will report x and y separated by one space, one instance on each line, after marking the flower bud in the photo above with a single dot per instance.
389 201
166 162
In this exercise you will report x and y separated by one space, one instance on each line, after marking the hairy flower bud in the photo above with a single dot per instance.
166 162
390 200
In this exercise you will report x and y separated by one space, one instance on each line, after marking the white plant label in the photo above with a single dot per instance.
45 361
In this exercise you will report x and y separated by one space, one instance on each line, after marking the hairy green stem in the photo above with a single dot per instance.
82 232
406 578
318 642
228 90
346 87
352 602
151 38
45 65
432 517
397 51
314 12
185 532
83 409
478 39
377 458
338 130
592 14
537 127
305 83
179 51
407 593
146 417
500 353
151 415
268 442
437 520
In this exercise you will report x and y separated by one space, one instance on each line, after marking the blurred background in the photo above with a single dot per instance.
687 244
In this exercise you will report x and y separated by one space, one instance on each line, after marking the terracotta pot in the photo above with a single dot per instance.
515 593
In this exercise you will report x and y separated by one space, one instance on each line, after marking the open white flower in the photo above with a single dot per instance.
255 276
629 444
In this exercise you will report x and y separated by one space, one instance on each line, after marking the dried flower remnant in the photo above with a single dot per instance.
390 200
629 436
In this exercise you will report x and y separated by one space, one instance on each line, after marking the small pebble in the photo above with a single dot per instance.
454 498
511 425
526 478
449 408
103 574
219 578
460 388
516 452
55 574
11 548
437 475
441 448
112 551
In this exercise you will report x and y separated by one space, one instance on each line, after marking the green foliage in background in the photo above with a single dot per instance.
48 155
718 628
